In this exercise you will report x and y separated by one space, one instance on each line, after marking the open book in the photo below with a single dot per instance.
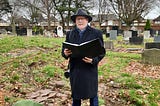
90 48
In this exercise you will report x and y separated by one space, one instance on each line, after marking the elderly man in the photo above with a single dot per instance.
83 70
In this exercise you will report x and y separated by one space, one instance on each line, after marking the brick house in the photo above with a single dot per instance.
156 23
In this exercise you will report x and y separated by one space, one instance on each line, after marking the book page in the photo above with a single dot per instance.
73 44
88 41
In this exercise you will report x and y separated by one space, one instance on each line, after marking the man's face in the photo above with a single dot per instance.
81 22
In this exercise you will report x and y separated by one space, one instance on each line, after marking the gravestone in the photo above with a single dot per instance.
113 34
29 32
134 33
120 32
60 31
108 29
108 45
151 56
107 35
3 31
158 32
151 45
114 27
127 35
146 34
156 38
21 31
136 40
133 28
152 32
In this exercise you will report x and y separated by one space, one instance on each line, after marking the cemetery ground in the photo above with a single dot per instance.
32 68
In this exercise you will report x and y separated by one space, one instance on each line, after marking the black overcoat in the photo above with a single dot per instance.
83 76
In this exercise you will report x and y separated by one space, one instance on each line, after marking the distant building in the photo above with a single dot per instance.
156 23
111 21
41 21
3 23
105 22
157 20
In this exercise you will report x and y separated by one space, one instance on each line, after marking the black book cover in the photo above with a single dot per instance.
90 48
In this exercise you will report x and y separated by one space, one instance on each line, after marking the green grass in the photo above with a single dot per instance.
45 63
131 84
101 101
46 55
11 43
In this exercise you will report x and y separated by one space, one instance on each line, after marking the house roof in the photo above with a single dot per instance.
40 18
2 21
105 17
157 19
112 17
22 21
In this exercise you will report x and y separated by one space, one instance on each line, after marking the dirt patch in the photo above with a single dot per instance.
23 51
1 98
145 70
103 61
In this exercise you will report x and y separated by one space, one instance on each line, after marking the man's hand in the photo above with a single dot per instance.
67 52
87 60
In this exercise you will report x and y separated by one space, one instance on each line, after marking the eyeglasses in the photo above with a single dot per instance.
78 19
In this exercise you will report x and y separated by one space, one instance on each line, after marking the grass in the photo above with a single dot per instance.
137 90
44 61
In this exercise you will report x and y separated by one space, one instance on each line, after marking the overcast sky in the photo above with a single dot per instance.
153 14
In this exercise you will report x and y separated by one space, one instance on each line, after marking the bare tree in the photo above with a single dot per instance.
14 14
103 8
38 7
130 10
47 7
5 7
31 8
61 7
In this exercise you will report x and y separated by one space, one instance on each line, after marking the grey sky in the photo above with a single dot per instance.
153 14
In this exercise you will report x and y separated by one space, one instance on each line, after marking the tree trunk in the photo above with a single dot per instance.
49 22
13 25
